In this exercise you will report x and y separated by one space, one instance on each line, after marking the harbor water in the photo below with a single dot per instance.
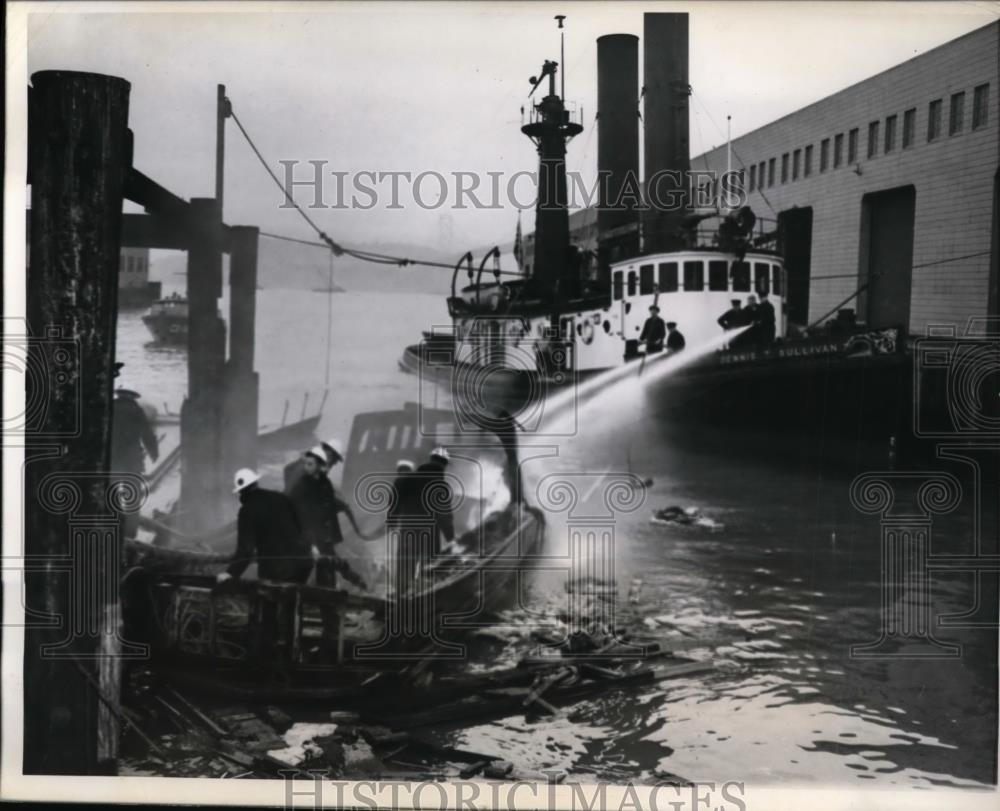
778 594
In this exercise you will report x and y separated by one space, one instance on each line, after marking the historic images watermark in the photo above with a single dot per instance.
956 409
311 789
367 189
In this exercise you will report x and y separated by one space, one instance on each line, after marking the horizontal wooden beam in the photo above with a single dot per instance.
151 231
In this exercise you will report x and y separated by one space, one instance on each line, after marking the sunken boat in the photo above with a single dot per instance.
280 641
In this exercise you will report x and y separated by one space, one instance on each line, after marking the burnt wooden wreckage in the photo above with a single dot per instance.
289 641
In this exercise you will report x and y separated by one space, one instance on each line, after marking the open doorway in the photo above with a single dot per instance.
795 229
887 256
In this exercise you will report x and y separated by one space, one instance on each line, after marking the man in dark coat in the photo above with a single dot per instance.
766 322
295 469
268 531
131 435
318 507
675 341
407 519
733 317
653 331
436 495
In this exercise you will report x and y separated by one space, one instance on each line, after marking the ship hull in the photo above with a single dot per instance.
167 330
818 402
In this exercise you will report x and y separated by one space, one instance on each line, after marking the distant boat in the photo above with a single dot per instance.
167 320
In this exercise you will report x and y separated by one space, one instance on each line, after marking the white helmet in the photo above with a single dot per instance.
244 478
335 446
318 452
441 452
405 466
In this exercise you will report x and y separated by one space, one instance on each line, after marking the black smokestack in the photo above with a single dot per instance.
617 147
665 112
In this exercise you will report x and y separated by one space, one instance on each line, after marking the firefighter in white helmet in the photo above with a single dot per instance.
437 495
268 532
332 454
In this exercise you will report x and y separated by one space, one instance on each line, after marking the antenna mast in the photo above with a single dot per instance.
562 55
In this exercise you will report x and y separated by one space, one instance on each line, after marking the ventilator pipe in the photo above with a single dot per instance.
454 276
494 252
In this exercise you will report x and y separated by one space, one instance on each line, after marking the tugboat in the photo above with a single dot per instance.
167 320
574 313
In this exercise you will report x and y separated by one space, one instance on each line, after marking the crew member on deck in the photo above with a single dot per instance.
748 338
131 434
653 331
269 531
733 317
766 322
675 341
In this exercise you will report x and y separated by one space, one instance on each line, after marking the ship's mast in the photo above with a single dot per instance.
550 128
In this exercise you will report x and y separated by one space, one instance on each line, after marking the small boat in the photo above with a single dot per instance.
309 641
167 320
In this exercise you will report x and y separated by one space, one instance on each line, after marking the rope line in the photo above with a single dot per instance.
336 248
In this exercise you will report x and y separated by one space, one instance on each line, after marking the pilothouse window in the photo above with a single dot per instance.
718 275
631 282
741 277
668 277
776 279
762 278
647 283
617 285
694 275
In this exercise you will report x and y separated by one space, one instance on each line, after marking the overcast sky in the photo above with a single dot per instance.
422 86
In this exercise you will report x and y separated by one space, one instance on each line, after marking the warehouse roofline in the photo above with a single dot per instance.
825 99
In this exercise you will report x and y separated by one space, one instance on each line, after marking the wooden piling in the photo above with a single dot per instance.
240 422
203 493
77 163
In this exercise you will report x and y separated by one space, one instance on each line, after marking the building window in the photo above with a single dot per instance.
890 133
760 174
694 275
796 162
807 167
824 154
753 177
956 115
909 126
873 139
784 168
718 275
852 146
668 277
838 150
980 106
770 171
934 120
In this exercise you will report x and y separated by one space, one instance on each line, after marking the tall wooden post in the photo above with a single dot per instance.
242 386
202 478
77 163
221 114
